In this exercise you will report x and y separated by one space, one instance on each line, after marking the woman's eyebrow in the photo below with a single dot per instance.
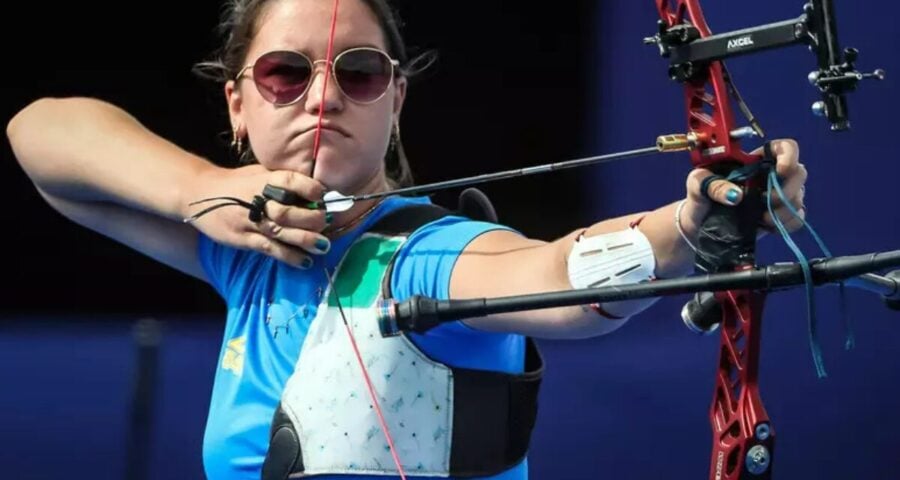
338 48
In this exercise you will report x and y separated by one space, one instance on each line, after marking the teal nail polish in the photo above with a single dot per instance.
329 217
323 245
732 196
307 263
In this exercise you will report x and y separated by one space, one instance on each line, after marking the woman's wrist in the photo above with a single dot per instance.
686 224
685 219
197 187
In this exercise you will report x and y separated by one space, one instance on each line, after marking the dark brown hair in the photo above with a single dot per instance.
238 27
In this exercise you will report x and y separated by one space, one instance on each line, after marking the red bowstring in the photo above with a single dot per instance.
328 69
372 395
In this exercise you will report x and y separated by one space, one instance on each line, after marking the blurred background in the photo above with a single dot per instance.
107 358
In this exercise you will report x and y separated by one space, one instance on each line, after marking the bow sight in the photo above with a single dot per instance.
836 76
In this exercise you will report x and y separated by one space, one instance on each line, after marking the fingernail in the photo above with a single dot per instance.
732 196
323 245
307 263
329 217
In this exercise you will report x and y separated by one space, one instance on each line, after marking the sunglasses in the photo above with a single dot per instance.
362 74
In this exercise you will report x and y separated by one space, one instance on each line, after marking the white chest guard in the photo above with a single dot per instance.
327 424
328 397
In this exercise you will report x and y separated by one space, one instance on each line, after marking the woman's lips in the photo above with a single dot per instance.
326 128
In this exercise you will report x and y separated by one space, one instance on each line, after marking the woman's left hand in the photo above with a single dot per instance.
790 171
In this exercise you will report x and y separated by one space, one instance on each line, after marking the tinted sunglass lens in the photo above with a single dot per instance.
282 77
363 75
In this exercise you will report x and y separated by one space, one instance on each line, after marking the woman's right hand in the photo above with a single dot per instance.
287 232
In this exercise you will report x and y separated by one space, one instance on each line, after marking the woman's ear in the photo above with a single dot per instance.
399 95
235 106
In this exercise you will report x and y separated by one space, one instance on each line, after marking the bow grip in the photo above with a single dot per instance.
727 236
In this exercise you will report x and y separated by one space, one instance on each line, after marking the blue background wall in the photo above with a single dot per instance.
632 405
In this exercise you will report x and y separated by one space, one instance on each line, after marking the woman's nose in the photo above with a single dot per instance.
323 91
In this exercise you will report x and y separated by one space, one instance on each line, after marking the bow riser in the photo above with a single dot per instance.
711 120
710 115
728 236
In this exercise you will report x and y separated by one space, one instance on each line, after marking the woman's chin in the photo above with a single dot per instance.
348 183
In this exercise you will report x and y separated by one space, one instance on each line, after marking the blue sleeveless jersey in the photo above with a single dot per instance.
269 309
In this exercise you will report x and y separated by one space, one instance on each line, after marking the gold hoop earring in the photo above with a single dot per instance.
392 157
236 142
395 136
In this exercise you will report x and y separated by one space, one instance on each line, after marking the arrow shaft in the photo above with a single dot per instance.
491 177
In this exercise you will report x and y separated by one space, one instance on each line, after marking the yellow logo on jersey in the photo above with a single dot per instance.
234 355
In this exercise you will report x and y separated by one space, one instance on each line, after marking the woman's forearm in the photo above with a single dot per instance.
87 150
674 258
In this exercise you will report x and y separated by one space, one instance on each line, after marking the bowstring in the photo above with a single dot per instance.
370 387
328 69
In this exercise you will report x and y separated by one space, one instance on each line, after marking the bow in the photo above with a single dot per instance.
731 295
743 438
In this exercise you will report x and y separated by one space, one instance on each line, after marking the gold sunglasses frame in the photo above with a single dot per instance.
394 63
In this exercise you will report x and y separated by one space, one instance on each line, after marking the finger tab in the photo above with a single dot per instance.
281 195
